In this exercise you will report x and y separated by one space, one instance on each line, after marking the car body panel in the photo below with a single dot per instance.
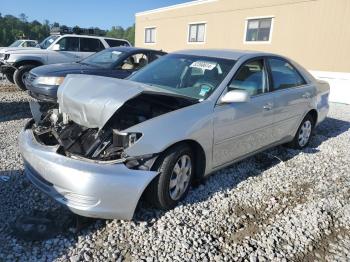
92 107
290 106
88 189
245 127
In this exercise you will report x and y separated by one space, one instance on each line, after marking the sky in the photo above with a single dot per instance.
84 13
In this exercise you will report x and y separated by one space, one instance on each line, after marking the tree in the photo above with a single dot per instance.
23 18
120 32
13 28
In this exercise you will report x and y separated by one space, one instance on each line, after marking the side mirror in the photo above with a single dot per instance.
56 47
235 96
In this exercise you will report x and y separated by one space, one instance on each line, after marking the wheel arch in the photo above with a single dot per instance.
200 162
28 62
199 156
314 114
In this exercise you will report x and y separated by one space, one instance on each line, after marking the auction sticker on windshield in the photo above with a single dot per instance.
205 65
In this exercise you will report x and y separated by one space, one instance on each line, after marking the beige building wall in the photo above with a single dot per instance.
316 33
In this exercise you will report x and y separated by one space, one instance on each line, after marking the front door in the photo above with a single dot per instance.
69 51
242 128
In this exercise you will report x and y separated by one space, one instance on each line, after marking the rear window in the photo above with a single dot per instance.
113 43
90 45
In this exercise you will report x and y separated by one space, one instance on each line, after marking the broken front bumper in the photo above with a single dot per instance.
87 188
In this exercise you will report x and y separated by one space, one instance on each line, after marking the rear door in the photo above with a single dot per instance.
242 128
89 46
292 96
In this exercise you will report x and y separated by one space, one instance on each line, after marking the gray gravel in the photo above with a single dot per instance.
280 205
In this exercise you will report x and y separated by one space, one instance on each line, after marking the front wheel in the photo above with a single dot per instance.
21 74
9 77
176 168
303 135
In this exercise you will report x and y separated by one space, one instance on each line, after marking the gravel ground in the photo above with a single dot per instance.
279 205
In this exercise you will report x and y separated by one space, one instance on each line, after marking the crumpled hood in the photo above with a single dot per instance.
91 101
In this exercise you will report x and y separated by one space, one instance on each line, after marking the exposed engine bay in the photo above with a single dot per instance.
108 143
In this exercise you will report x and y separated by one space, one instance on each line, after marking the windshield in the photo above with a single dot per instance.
16 43
48 41
193 76
105 59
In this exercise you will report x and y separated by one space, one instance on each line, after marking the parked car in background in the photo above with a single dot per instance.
22 43
16 63
119 62
181 118
16 45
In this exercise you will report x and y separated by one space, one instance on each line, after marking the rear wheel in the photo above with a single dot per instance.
9 77
21 74
176 168
303 135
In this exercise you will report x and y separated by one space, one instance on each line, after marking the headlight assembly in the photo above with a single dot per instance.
49 80
125 140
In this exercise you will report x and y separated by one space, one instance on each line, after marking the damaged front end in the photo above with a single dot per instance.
106 144
78 153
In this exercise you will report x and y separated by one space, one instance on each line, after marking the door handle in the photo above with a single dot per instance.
306 95
268 106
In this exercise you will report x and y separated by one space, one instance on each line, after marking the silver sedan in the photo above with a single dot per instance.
179 119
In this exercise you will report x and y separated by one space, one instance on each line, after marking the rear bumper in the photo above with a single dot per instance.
322 107
87 188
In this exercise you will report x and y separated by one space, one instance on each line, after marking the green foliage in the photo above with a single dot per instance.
120 32
13 28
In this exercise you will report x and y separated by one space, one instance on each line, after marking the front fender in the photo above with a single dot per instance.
18 60
189 123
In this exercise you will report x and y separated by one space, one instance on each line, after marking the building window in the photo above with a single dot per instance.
150 35
196 33
258 30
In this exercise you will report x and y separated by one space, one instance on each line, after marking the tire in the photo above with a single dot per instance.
161 193
303 135
9 77
20 74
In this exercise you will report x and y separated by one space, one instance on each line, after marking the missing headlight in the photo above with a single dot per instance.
125 140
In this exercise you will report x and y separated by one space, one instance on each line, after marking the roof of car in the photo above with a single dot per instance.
92 36
130 49
220 53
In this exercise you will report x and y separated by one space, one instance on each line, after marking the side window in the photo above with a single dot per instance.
69 44
135 62
284 75
113 43
90 45
251 77
31 44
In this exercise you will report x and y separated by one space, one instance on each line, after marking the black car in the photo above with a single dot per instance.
118 62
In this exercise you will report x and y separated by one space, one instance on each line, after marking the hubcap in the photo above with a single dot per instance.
304 133
180 177
24 76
